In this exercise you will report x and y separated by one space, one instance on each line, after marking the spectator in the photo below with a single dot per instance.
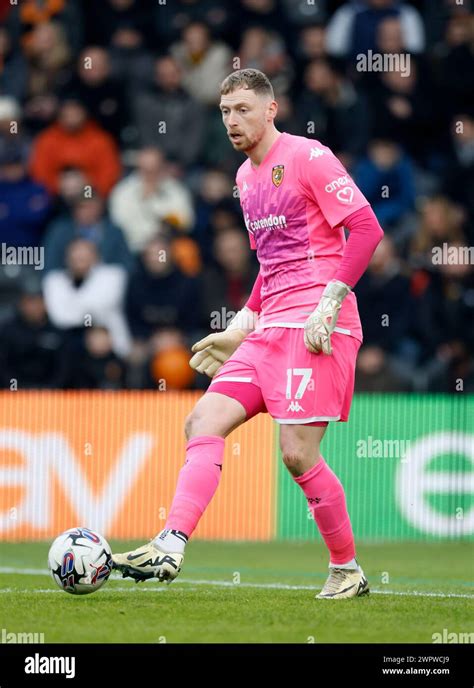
452 370
120 24
49 60
215 191
159 295
166 102
266 13
444 317
125 28
300 13
88 293
402 111
13 73
390 43
386 179
375 372
105 95
26 15
437 15
88 221
389 36
147 198
264 50
72 184
454 65
353 27
224 216
24 205
330 109
311 45
458 174
227 286
96 366
30 345
441 222
78 142
385 302
172 17
205 63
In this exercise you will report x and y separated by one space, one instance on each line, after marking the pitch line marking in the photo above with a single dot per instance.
227 584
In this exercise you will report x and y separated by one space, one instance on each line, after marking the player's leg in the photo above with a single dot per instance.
214 416
303 391
212 419
227 404
322 489
233 397
327 502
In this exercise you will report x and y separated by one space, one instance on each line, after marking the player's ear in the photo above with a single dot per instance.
272 110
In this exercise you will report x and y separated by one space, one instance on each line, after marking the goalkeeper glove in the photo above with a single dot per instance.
322 321
213 351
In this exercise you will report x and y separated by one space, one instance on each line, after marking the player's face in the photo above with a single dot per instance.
246 117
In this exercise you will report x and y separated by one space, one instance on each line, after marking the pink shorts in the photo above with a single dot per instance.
273 371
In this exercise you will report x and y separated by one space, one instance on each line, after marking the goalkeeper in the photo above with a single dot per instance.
292 349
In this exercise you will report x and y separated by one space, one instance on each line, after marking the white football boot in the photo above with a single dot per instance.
148 561
344 583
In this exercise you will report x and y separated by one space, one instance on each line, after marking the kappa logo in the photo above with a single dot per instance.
314 500
316 152
295 407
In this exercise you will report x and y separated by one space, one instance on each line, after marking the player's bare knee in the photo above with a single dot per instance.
197 423
297 456
214 415
200 422
188 425
294 461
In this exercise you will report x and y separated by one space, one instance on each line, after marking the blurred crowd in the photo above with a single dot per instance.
113 157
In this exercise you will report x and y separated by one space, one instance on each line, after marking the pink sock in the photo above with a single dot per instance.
197 481
327 501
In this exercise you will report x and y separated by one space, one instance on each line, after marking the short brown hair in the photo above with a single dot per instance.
252 79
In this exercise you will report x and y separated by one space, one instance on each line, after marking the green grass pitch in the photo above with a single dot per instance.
248 593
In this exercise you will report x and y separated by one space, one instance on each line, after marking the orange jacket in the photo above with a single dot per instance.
92 150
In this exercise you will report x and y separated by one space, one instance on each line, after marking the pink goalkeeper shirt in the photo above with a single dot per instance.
294 204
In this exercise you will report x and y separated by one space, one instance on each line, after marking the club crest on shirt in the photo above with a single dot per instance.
277 174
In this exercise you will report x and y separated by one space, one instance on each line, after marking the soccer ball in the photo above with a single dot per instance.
80 561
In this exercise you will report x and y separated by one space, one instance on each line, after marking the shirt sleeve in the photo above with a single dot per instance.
365 235
254 302
325 181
